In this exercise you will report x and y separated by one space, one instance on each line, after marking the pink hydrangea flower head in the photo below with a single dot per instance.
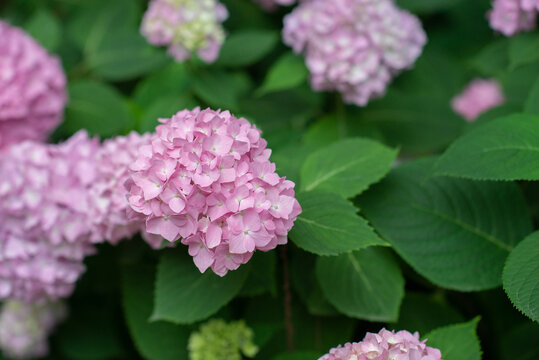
25 328
46 217
32 88
479 96
206 178
186 26
108 191
513 16
354 46
386 345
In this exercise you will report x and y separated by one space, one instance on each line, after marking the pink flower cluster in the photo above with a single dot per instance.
386 345
32 88
354 46
207 178
25 328
513 16
56 202
479 96
186 26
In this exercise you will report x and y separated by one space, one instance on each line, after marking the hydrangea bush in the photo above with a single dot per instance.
269 179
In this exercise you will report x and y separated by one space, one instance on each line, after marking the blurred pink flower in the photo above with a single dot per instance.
479 96
186 26
513 16
32 88
206 178
354 46
386 345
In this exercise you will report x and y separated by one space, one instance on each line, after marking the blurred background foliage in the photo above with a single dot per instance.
119 83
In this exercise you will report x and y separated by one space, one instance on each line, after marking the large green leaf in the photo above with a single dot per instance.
221 89
521 276
346 167
523 49
493 59
365 284
504 149
247 47
154 340
125 55
164 107
457 233
329 225
532 102
98 108
288 72
45 28
183 295
456 342
172 80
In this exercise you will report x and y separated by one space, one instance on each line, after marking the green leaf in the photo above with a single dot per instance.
493 59
155 340
288 72
456 342
183 295
299 355
370 284
98 108
424 312
456 233
164 107
504 149
262 277
45 28
247 47
521 278
125 55
427 6
532 102
523 49
329 225
221 89
520 342
347 167
169 81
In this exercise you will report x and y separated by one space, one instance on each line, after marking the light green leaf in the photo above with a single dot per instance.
45 28
288 72
347 167
521 276
504 149
456 342
456 233
183 295
125 55
493 59
523 49
329 225
247 47
155 340
370 284
98 108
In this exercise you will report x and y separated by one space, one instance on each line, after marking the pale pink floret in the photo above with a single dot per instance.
32 88
386 345
25 328
186 27
479 96
206 178
513 16
354 46
46 216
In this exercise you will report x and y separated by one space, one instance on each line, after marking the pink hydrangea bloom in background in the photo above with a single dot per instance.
386 345
273 4
25 328
479 96
513 16
186 26
46 215
109 193
354 46
32 88
207 179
